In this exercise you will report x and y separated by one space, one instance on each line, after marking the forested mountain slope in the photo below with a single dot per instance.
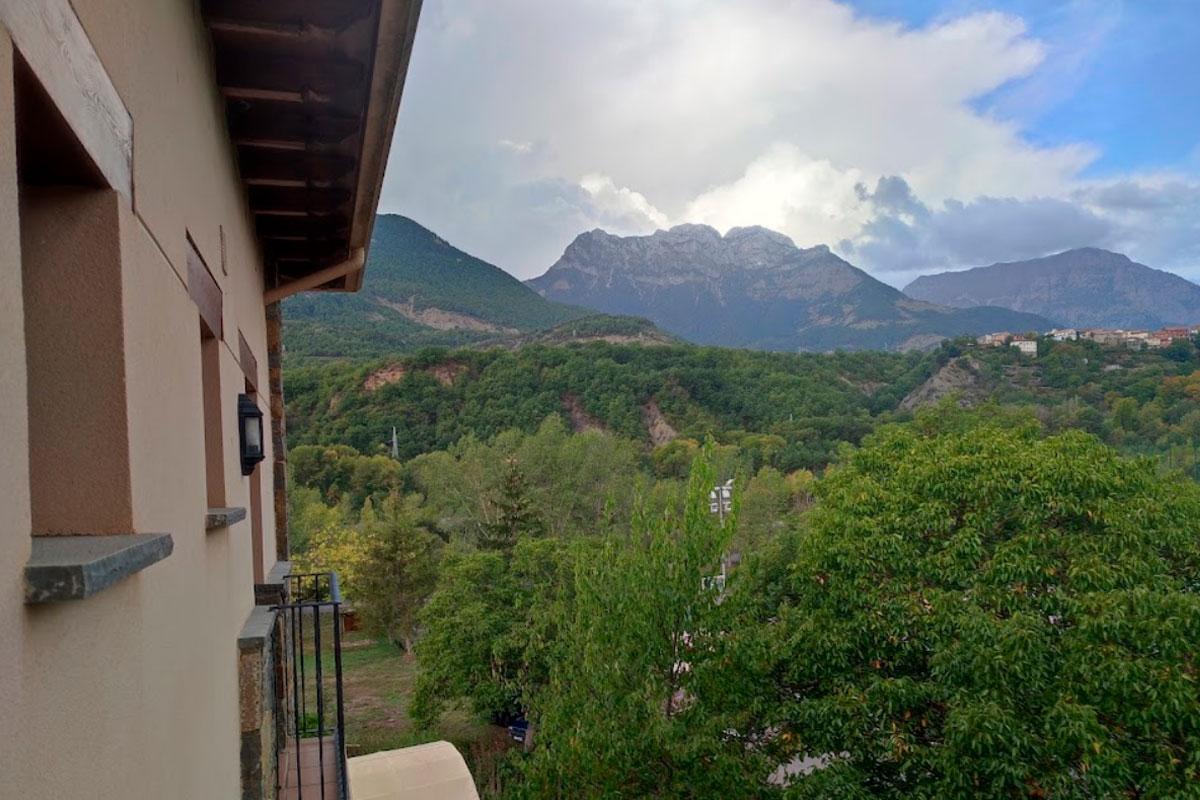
437 397
419 291
800 407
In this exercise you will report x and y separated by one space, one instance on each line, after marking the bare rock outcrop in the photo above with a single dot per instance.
445 373
579 417
657 427
442 320
382 377
961 376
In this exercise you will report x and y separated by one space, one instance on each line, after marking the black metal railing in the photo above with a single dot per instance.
310 708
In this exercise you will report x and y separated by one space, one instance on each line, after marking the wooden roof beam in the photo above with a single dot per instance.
271 227
300 33
262 165
273 199
331 14
313 280
288 123
308 249
256 75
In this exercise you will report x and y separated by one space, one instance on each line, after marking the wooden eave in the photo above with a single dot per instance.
311 89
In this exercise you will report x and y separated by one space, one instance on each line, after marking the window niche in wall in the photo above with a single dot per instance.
207 296
72 287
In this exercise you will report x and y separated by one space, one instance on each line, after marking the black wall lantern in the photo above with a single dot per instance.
250 432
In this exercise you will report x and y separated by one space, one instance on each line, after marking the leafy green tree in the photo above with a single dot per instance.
620 716
342 473
399 572
674 459
308 515
1181 350
512 515
489 630
979 612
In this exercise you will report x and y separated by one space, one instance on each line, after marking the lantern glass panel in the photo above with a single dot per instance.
253 432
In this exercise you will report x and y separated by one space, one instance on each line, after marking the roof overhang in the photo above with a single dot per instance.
312 89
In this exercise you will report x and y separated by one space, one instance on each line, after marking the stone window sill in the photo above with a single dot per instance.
217 518
75 567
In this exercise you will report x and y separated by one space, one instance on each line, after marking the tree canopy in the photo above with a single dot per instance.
984 613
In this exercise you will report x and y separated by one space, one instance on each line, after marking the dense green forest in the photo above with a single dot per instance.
918 599
436 397
795 410
965 606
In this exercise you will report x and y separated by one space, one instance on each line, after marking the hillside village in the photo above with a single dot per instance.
1113 337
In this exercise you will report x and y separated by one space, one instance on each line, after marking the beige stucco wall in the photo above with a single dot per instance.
14 429
133 693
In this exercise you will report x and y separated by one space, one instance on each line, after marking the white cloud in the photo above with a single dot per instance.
905 236
620 203
1153 219
785 190
764 112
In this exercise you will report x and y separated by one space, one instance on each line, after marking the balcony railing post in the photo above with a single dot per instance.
320 593
297 691
341 716
317 658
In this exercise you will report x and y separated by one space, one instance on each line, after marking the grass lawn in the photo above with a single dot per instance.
377 682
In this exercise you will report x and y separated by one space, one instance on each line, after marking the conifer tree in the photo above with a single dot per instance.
514 516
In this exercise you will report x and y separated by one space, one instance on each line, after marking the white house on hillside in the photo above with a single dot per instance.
1028 347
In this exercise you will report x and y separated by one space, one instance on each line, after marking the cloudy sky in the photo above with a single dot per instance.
910 135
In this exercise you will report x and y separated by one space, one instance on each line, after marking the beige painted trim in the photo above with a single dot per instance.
393 48
351 265
54 44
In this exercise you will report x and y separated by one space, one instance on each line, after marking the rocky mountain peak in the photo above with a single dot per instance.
751 287
1085 287
691 230
757 233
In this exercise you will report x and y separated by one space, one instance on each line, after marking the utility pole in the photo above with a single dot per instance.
395 445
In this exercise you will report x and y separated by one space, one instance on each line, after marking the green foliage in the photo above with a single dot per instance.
342 473
512 515
568 484
988 603
308 515
399 571
984 613
488 630
795 408
618 717
785 411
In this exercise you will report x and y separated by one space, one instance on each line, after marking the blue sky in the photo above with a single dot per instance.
911 136
1121 75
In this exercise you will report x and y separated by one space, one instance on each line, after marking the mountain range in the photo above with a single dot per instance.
420 291
1083 288
754 288
750 288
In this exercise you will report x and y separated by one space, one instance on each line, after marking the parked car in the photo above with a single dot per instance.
518 730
